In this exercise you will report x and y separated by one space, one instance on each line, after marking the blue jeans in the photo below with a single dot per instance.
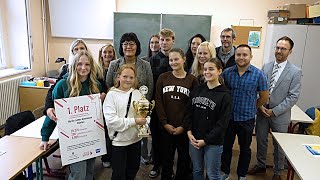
211 155
82 170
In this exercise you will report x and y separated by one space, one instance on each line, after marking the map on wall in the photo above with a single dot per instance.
254 38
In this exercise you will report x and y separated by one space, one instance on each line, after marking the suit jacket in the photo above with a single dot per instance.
285 93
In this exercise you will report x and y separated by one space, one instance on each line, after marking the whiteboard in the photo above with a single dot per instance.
82 18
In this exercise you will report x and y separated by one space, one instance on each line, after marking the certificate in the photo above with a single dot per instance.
81 128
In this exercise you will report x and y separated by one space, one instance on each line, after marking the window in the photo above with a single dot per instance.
14 35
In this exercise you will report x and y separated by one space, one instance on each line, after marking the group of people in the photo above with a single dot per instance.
204 99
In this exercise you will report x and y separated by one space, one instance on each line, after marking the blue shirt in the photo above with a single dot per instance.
244 90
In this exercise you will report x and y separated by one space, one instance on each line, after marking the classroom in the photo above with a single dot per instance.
35 35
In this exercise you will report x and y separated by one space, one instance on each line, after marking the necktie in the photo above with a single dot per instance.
273 77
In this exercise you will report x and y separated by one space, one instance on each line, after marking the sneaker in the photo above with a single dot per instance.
242 178
106 164
154 172
144 161
224 176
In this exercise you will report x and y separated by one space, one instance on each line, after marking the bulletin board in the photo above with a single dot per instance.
243 32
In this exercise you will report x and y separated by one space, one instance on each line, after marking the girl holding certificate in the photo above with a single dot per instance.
122 122
208 113
172 94
82 80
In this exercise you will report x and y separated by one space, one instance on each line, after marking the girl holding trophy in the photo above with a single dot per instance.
122 120
172 94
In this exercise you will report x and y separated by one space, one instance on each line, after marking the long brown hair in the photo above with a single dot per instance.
123 67
219 67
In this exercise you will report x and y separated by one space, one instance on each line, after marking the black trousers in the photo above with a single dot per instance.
125 161
243 130
170 143
155 134
107 157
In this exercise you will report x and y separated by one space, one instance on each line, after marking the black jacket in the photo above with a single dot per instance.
231 61
208 113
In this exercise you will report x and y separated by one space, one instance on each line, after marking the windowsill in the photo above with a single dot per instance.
11 72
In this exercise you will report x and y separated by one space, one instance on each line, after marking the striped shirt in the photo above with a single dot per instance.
244 90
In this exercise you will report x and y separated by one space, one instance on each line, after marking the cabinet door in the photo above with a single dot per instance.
310 70
297 33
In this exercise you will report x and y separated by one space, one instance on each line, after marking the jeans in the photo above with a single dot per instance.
82 170
209 154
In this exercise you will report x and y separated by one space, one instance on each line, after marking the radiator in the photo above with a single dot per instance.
9 97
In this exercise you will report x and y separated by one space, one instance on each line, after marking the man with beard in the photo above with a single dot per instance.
245 82
284 87
225 52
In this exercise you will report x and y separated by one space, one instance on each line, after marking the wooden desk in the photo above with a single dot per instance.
303 162
32 132
20 153
297 115
32 97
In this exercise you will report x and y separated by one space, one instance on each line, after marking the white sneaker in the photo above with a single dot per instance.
242 178
106 164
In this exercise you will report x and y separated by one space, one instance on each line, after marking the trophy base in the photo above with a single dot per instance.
143 135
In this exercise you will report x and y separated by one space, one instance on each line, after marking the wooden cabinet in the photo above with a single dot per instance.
32 97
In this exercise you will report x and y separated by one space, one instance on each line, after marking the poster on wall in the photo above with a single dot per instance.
254 38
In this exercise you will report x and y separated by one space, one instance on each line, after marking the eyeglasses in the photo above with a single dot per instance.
280 48
126 44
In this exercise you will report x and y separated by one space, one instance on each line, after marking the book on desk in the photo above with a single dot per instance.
314 149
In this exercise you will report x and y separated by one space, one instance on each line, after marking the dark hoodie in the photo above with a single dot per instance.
209 113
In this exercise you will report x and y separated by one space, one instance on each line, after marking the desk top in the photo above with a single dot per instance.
33 130
297 115
20 153
304 163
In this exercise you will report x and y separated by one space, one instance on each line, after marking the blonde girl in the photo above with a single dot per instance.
82 80
122 121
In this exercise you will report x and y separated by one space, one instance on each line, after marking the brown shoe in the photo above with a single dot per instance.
257 170
276 177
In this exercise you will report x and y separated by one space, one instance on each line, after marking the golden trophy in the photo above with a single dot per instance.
144 108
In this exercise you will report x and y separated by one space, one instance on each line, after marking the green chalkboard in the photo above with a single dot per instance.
186 26
143 25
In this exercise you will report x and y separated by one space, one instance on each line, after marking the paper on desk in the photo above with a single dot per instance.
2 152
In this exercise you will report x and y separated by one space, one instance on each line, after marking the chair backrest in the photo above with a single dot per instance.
18 121
38 112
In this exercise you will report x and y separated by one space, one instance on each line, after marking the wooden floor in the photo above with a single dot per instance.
105 173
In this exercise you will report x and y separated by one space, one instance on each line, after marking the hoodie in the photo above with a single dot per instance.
208 113
114 110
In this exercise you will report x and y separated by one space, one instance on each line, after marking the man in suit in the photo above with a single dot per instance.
284 87
225 52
